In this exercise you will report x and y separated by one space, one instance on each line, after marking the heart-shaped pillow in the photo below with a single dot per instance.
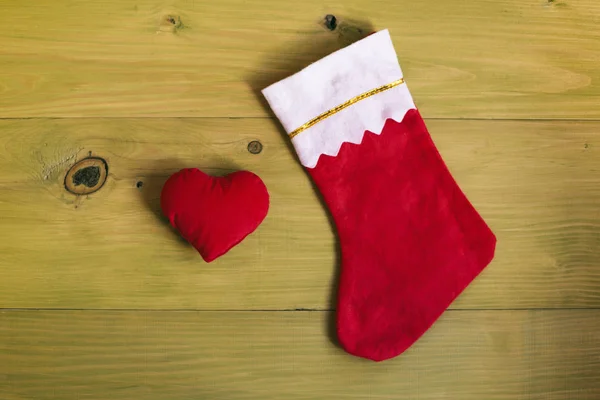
214 213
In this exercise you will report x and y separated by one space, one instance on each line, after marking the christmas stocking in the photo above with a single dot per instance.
410 240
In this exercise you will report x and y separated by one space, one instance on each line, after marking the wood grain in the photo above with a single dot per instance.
145 318
536 183
475 355
483 59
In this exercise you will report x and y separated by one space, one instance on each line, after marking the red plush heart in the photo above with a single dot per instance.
214 213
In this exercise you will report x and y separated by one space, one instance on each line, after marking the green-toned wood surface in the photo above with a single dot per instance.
537 184
501 355
486 58
100 299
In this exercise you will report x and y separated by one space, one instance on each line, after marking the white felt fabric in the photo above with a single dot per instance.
333 80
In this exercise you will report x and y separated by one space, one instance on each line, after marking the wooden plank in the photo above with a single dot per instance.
490 58
536 183
274 355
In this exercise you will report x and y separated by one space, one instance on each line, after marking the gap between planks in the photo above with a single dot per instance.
325 310
273 118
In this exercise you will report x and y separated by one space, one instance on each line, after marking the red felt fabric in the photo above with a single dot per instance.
214 213
410 240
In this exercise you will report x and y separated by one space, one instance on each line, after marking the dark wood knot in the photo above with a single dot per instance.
331 22
86 176
255 147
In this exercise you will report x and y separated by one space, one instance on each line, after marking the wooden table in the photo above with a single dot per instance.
101 300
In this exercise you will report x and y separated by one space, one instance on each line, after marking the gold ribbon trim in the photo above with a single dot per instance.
347 104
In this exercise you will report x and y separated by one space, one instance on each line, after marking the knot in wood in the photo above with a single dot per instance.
86 176
255 147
